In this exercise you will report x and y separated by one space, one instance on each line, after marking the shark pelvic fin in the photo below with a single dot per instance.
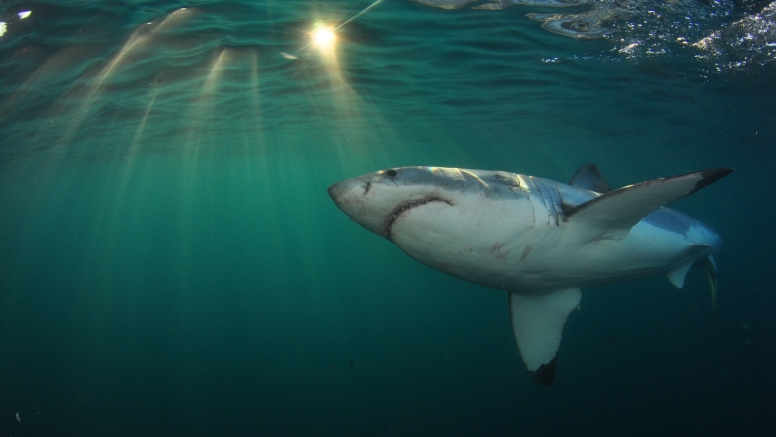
693 253
537 323
612 215
677 276
588 177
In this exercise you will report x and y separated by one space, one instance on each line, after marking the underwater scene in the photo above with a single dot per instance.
387 218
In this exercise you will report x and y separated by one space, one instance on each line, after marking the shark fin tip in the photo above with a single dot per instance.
545 374
711 175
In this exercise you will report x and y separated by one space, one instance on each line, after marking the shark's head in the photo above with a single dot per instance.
377 200
436 209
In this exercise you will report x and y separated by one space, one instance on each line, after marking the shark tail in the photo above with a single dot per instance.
711 274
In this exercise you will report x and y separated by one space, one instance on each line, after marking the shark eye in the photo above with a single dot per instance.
390 173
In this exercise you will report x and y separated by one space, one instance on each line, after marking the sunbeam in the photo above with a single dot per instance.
92 85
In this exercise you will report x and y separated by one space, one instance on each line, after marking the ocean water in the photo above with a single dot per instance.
171 263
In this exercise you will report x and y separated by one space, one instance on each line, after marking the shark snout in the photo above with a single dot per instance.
345 193
336 192
350 196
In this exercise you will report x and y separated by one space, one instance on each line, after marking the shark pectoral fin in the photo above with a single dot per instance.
537 322
611 215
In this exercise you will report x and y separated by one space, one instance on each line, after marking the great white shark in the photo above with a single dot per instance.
538 239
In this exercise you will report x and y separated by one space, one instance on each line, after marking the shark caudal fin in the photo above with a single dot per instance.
537 322
613 214
711 274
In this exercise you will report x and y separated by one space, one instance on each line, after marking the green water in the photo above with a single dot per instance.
171 263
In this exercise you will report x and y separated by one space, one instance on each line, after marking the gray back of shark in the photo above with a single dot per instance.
538 239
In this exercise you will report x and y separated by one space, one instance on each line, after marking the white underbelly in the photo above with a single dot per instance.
546 258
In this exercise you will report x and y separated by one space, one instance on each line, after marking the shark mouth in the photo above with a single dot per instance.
406 206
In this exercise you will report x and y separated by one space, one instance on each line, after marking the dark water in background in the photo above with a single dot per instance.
171 264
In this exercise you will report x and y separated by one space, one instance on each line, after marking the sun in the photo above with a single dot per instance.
324 38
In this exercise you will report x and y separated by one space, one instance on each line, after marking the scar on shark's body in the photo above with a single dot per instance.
526 251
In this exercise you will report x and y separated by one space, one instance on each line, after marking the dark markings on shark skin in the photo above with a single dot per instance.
496 249
526 251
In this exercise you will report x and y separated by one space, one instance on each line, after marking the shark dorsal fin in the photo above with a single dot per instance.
611 215
588 177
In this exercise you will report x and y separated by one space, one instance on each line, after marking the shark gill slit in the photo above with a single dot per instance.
552 202
546 198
